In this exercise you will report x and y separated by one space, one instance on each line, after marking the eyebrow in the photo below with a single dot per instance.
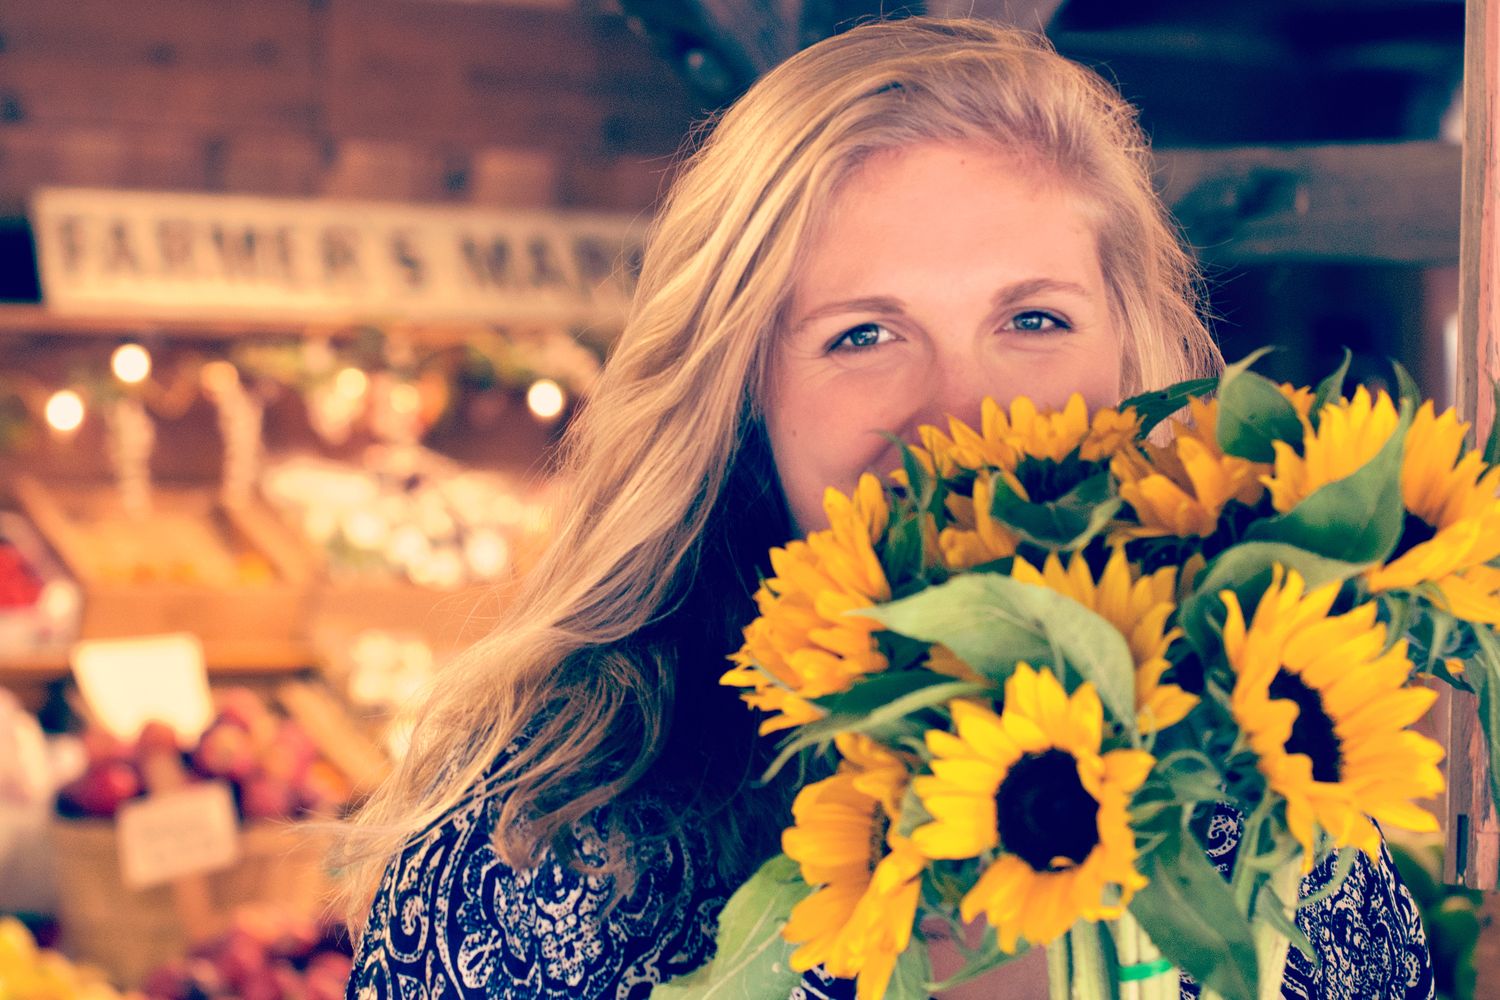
1005 296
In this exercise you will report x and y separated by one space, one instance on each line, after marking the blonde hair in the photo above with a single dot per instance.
608 656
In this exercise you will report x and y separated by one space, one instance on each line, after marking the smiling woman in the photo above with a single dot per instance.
976 274
892 225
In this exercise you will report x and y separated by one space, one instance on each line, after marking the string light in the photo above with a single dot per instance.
65 411
545 399
131 363
351 383
405 399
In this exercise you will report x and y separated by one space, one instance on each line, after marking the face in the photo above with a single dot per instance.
942 274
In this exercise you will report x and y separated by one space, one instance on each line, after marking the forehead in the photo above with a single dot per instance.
965 204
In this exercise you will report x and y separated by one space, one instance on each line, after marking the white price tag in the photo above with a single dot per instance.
173 835
130 682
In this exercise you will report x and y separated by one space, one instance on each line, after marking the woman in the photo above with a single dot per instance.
889 226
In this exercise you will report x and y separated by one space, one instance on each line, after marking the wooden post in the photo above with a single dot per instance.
1473 830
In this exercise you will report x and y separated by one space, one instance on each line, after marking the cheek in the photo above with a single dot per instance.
823 433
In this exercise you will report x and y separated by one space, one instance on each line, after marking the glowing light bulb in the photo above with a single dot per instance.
351 383
131 363
65 411
405 399
545 398
219 376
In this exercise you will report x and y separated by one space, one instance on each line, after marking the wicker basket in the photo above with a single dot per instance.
129 932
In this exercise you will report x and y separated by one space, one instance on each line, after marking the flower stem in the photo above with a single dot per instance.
1137 953
1271 945
1059 978
1091 979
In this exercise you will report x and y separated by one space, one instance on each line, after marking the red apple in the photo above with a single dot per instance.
264 797
324 790
241 957
293 986
226 751
240 704
99 790
296 939
327 975
169 981
290 753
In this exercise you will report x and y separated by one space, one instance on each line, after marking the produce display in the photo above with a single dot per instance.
184 537
409 515
29 972
270 762
20 587
265 955
39 605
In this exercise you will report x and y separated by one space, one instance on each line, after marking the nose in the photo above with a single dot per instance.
953 384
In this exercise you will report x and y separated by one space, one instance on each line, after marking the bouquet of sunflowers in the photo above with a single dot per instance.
1033 662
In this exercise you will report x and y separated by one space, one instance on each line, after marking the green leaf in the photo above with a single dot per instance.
1332 387
1270 909
984 959
991 622
1486 680
1356 519
878 691
1246 569
1253 413
1188 911
1492 442
877 706
1154 407
1407 389
751 961
909 980
1067 523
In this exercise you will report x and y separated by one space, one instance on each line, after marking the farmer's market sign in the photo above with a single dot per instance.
218 257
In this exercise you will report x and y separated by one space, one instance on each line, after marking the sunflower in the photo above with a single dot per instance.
859 919
1325 707
1026 445
804 645
1181 489
1137 605
975 536
1349 433
1452 526
1032 783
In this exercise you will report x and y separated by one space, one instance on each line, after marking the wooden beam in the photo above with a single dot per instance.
1473 854
1392 203
1029 15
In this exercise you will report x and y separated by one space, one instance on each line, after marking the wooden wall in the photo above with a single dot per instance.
518 103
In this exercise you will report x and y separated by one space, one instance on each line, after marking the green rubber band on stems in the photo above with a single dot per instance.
1144 970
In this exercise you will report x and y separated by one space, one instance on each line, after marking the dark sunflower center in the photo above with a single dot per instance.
879 827
1045 812
1046 480
1414 531
1312 733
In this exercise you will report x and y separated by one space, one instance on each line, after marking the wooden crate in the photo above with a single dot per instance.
230 574
128 932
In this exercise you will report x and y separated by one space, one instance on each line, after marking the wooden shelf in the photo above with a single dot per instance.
22 320
250 656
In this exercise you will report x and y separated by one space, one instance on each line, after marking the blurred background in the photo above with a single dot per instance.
296 297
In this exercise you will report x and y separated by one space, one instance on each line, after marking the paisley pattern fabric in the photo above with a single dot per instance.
1368 935
451 920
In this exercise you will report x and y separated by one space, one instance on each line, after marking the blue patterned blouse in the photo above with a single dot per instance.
452 921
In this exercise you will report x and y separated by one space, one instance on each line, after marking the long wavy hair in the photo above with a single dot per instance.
608 656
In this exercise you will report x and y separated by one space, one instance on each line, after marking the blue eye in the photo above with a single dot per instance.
862 336
1037 321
